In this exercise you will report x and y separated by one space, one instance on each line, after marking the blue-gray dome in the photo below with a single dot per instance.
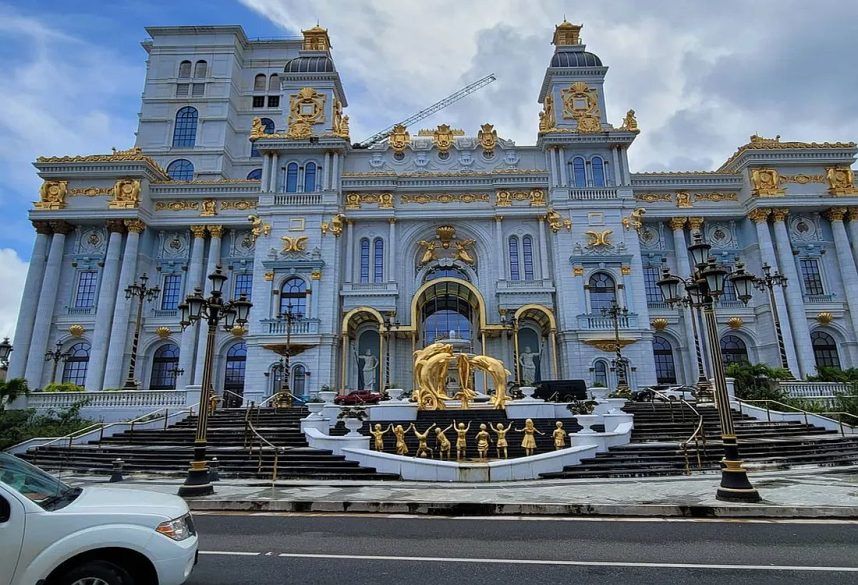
575 59
305 64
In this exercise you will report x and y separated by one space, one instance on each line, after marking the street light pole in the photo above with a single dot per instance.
212 310
56 356
141 292
615 312
768 282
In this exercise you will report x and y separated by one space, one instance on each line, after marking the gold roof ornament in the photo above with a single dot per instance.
77 330
567 34
758 142
340 126
52 195
163 332
735 322
447 245
547 120
824 318
630 123
306 108
316 39
126 194
841 181
487 137
399 139
659 324
766 183
443 138
581 103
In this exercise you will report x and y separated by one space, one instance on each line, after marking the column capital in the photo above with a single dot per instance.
853 214
760 215
61 227
199 231
115 226
677 223
216 231
835 214
391 220
695 223
42 227
779 214
135 225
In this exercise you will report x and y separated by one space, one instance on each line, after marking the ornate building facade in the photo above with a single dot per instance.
360 255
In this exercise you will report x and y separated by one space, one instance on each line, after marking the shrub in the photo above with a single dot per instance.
62 387
11 390
20 425
757 381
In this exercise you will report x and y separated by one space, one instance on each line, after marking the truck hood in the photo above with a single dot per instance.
126 502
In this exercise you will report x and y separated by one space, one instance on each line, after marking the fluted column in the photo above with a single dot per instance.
335 172
683 267
853 231
847 264
215 234
106 306
501 251
561 155
266 172
275 173
543 250
555 174
794 299
391 246
767 255
350 250
122 310
195 279
29 301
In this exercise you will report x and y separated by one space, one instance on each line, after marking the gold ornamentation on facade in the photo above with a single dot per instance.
163 332
835 213
759 215
567 34
735 322
581 104
77 330
802 179
237 204
126 194
238 330
446 245
766 183
181 205
557 222
442 137
445 173
488 137
577 271
599 239
52 195
716 196
306 108
296 244
258 227
424 198
630 123
135 225
131 154
659 324
215 231
335 226
383 200
683 199
840 181
760 143
340 125
209 208
695 224
625 270
634 221
316 275
609 345
90 191
257 128
677 223
779 214
199 231
547 119
824 318
537 198
654 197
316 39
399 139
269 276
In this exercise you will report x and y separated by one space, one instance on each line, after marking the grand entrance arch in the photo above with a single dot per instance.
365 365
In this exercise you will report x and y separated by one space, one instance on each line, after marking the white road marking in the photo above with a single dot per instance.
573 563
234 553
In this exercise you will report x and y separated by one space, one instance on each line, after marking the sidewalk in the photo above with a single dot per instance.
801 493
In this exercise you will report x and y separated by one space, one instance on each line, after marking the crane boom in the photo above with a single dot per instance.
425 113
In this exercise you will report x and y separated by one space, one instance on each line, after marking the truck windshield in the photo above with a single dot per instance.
34 484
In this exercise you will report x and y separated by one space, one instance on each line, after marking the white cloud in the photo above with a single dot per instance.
13 272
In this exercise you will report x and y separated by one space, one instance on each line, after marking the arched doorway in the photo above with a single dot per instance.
665 367
74 370
164 365
535 344
365 365
824 350
233 381
734 350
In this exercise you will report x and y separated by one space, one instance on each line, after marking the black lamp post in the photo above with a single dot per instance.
707 284
212 310
5 350
290 316
142 292
390 322
690 300
56 356
619 363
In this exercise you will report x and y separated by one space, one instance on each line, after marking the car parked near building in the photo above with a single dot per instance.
358 397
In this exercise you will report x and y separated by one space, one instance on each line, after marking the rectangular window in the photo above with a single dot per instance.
651 278
86 287
182 89
172 292
274 101
199 89
243 285
811 277
259 101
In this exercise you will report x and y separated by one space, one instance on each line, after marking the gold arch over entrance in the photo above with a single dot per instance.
463 289
544 317
353 319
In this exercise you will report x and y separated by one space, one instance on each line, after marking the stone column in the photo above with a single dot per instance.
350 250
105 307
391 246
616 173
555 175
215 234
323 175
266 172
561 155
501 251
122 309
853 231
275 173
624 163
29 302
794 298
767 254
335 172
683 267
195 279
543 249
844 258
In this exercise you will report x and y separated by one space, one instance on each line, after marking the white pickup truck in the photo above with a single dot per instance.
55 534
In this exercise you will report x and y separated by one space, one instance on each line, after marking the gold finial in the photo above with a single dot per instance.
316 39
567 34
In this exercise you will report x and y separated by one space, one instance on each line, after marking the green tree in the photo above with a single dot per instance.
11 390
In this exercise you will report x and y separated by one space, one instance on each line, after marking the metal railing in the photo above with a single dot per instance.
829 415
699 434
252 436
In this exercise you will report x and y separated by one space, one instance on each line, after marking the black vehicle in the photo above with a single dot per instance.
561 390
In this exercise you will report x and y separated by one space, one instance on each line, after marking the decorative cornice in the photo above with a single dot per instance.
423 198
759 143
61 227
132 154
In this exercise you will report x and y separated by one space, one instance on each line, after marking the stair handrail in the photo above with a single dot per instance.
260 439
698 436
796 409
283 392
236 394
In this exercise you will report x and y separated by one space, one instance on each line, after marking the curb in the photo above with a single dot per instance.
525 509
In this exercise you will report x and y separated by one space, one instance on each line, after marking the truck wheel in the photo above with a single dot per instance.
96 573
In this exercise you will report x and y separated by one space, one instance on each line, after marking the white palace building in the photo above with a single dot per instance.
355 256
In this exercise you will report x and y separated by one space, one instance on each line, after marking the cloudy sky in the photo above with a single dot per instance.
702 76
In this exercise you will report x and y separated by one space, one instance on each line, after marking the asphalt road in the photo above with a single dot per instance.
345 550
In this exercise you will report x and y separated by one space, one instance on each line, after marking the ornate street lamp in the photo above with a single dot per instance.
141 292
212 310
390 322
709 280
619 364
290 316
56 356
5 350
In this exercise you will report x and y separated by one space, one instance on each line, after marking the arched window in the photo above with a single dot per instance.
665 369
598 167
446 272
274 83
268 123
579 173
514 266
824 350
733 350
259 82
185 131
255 175
600 374
201 69
364 260
293 296
378 260
184 70
527 254
164 365
299 380
74 370
603 292
236 365
181 170
292 178
310 177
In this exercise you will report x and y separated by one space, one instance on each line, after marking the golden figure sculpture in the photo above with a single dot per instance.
528 442
422 444
501 443
442 443
258 227
401 446
546 116
378 435
559 435
466 394
461 440
430 369
495 368
483 440
462 252
630 123
635 219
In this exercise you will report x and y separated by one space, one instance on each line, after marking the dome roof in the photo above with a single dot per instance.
575 59
306 64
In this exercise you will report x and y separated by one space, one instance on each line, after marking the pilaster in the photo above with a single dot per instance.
848 272
195 280
215 234
683 266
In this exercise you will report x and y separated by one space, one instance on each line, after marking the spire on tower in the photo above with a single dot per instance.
566 34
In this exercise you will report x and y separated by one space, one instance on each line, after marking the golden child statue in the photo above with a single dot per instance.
442 443
528 442
378 434
483 440
461 440
559 435
401 447
422 446
501 444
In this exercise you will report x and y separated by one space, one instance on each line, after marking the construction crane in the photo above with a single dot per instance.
450 99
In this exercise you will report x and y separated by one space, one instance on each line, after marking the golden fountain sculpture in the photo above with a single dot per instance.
430 372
